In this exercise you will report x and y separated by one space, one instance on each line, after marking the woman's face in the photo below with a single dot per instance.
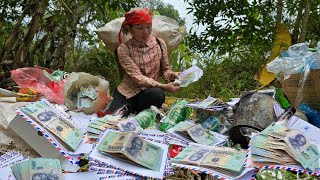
141 32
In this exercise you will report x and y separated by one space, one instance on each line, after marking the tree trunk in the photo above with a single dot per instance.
296 29
279 11
307 5
33 27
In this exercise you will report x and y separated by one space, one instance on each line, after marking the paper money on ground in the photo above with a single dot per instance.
129 125
221 159
197 133
60 126
283 145
130 146
39 168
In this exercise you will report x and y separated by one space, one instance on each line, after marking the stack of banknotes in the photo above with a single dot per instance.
60 126
6 161
278 144
98 125
195 132
189 76
129 147
86 95
225 160
38 168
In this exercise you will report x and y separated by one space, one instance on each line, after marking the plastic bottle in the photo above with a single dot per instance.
177 113
212 123
146 118
312 115
281 98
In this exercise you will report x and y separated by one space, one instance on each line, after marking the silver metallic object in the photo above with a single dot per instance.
254 113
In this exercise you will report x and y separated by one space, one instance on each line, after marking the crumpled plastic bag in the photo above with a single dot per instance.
296 60
162 27
71 87
34 78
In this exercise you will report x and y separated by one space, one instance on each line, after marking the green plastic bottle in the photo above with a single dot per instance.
146 118
281 98
177 113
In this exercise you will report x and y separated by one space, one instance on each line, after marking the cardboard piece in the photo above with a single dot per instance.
311 89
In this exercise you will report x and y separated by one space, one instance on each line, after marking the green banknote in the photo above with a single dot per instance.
113 142
39 168
191 155
129 125
144 152
188 79
45 169
66 131
109 119
225 158
298 145
201 136
61 127
131 146
183 126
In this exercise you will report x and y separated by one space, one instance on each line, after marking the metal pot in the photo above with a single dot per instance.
254 113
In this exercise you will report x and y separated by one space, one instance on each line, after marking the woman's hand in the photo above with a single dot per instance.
172 87
174 75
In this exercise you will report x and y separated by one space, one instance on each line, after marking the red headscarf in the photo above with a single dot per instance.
135 16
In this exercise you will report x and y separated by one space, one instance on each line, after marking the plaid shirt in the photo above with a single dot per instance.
143 64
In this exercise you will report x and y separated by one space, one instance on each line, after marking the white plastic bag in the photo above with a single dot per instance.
162 27
72 86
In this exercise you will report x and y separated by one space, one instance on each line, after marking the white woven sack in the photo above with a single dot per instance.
162 27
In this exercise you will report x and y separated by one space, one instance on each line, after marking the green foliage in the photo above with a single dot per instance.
100 61
157 6
282 174
231 24
225 77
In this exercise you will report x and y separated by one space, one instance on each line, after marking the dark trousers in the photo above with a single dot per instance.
143 100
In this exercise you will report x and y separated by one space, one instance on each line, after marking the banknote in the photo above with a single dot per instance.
38 168
189 76
202 136
87 90
58 125
109 119
84 102
298 144
197 133
208 101
270 145
277 140
93 130
97 126
133 147
183 126
191 155
224 158
129 124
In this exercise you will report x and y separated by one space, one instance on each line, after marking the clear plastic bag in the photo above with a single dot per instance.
297 60
72 87
162 27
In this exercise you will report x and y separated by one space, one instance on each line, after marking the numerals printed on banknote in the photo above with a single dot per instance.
133 147
217 158
198 134
38 168
290 144
53 121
